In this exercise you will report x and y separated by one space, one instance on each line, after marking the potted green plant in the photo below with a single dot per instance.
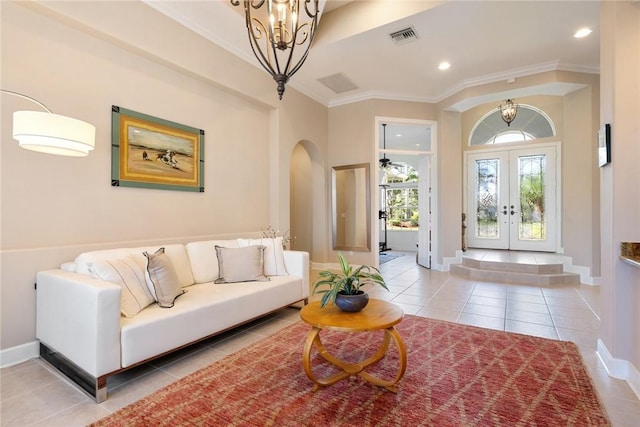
343 288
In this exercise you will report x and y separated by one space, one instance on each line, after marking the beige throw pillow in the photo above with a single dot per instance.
162 278
241 264
127 272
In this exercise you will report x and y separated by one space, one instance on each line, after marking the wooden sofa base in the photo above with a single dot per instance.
96 388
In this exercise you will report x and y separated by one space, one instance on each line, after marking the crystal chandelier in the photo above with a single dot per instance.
280 34
508 111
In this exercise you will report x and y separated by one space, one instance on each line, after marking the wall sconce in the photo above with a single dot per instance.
508 111
50 133
281 34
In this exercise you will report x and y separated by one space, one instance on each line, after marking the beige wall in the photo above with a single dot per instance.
301 200
55 207
619 181
580 186
449 184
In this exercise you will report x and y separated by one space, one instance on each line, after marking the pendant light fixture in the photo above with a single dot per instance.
508 111
280 34
50 133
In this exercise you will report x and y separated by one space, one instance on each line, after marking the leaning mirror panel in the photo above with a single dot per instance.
351 207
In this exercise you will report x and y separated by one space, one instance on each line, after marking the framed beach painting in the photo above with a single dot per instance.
149 152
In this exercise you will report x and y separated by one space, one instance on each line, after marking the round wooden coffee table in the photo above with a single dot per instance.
377 315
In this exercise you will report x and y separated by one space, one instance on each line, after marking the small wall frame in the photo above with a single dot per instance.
149 152
604 145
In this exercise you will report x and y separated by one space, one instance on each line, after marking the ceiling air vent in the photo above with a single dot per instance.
404 36
338 83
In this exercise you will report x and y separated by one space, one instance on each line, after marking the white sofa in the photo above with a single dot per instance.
83 332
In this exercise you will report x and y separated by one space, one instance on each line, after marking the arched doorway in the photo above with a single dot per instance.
307 208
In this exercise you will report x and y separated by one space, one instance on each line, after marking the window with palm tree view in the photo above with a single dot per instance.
400 197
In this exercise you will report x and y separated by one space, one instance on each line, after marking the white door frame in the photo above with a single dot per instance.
514 147
425 212
427 241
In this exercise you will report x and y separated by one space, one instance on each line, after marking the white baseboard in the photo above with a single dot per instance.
619 368
18 354
447 261
584 272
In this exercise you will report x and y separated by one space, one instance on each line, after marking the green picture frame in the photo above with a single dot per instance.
149 152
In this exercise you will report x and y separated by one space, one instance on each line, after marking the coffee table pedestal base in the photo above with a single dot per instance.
354 369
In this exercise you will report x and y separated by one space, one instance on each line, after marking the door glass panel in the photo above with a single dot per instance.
486 190
532 187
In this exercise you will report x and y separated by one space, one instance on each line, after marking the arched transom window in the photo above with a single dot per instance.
530 123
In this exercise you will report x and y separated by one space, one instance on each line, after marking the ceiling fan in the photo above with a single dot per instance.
384 161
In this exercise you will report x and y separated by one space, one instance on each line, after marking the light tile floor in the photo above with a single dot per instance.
32 394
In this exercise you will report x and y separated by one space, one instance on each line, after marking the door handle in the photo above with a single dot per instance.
504 210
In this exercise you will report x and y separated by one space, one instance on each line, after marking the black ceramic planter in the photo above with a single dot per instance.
352 303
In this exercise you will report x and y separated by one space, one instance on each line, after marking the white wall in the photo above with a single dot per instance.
401 240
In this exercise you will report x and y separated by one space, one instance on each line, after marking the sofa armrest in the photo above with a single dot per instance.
79 317
297 263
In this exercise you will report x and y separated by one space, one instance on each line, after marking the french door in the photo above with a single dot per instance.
512 199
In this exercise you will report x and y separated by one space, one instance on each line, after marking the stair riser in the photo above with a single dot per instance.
513 277
512 267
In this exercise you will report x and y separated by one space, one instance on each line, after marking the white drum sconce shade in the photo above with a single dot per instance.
50 133
53 134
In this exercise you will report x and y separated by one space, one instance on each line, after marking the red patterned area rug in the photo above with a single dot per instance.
456 376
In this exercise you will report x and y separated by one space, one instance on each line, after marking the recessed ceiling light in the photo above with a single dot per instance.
582 32
398 135
444 66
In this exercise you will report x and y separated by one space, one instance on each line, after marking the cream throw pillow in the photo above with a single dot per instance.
129 274
162 278
203 259
273 254
241 264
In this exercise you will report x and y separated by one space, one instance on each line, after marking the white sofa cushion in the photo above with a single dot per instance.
176 252
204 260
204 310
273 254
85 260
162 279
241 264
128 272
